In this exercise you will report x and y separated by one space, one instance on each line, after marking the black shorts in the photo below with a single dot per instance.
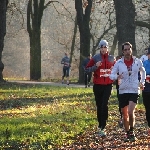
126 97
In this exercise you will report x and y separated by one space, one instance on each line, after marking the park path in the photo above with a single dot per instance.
53 83
46 83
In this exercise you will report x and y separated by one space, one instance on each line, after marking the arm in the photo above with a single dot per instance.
142 59
62 61
142 72
113 75
83 64
91 66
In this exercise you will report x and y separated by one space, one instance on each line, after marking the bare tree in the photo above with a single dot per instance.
83 10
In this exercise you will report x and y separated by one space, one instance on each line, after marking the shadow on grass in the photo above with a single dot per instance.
14 102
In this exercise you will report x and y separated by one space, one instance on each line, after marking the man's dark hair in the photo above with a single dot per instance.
126 43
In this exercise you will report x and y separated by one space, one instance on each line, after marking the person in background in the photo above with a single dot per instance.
66 68
146 90
117 88
144 57
128 68
101 64
87 75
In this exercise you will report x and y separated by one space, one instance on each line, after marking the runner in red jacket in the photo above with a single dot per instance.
101 64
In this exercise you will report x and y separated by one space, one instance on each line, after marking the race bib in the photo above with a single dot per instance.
105 72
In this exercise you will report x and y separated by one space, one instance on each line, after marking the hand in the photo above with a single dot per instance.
111 67
141 86
99 63
120 76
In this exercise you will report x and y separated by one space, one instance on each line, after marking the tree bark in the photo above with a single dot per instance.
3 9
125 23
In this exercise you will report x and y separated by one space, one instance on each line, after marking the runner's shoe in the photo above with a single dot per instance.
132 136
62 81
120 123
102 133
127 138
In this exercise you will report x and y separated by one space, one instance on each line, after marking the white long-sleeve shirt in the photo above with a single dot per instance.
129 83
143 58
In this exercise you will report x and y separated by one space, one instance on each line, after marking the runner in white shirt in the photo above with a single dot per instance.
128 68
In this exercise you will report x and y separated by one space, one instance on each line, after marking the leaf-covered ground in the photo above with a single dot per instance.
90 140
62 108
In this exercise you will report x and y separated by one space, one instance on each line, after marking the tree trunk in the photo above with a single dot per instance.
35 55
3 8
34 16
125 23
83 24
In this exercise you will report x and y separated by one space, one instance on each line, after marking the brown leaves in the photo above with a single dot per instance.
90 140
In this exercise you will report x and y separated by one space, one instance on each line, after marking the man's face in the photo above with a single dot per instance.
103 49
127 50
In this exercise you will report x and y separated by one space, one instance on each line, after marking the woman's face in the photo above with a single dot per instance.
104 49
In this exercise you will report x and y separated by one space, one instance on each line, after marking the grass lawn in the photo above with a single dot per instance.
41 116
44 117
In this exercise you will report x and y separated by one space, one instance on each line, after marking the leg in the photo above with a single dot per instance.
146 96
132 104
131 109
64 74
125 118
85 79
117 88
67 75
123 104
98 92
89 78
105 98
